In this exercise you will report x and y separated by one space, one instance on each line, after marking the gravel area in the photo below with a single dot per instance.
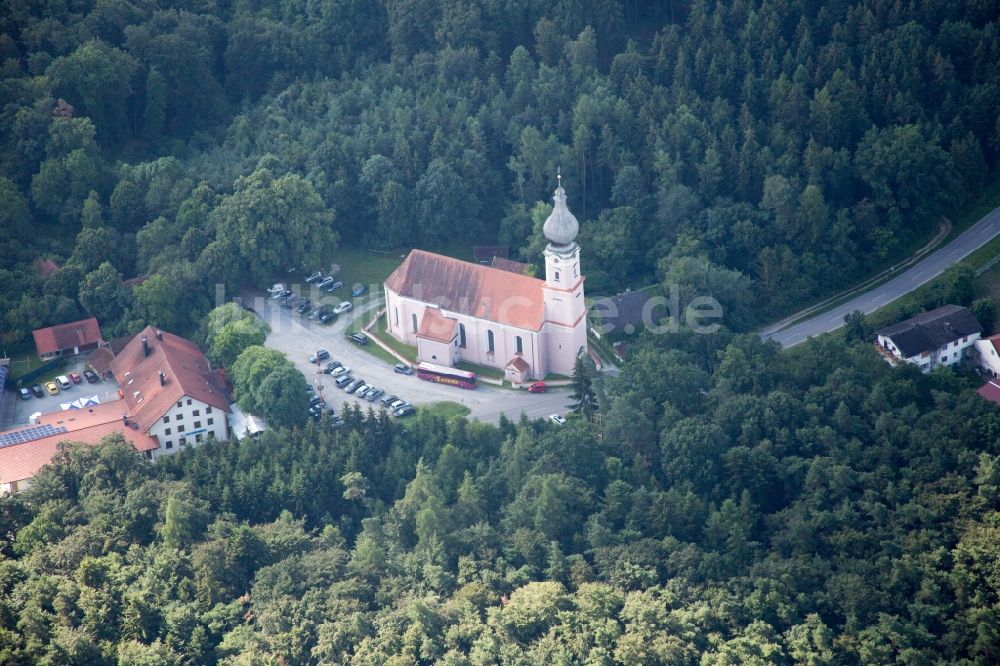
298 337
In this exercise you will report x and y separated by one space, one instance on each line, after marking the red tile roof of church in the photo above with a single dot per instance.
518 364
471 289
435 326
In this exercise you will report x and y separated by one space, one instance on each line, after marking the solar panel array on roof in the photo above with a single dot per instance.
29 434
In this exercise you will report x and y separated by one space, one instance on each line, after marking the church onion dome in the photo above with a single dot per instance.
561 227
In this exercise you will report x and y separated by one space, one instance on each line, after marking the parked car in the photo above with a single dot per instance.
405 410
358 290
557 419
374 394
361 390
336 284
359 338
315 400
318 312
325 281
393 406
309 388
38 391
343 307
331 366
318 275
25 394
327 317
303 307
389 397
319 355
403 369
284 293
537 387
343 381
52 388
289 302
64 383
275 288
353 386
75 378
341 371
91 377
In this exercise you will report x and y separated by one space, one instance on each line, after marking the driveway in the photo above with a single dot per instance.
926 270
298 337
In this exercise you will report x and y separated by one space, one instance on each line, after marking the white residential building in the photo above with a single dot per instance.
989 355
170 392
931 339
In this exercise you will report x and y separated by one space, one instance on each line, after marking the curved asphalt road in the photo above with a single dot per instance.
930 267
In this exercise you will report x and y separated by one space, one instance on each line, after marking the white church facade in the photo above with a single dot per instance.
453 310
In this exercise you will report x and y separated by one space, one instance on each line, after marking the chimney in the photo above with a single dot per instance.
163 378
145 346
125 418
159 335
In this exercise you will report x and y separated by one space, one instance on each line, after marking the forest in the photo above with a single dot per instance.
726 502
771 151
730 504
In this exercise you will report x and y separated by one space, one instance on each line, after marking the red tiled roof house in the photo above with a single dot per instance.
67 339
170 390
25 450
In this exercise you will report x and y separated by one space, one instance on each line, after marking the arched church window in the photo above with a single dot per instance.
557 276
518 344
413 319
461 336
489 342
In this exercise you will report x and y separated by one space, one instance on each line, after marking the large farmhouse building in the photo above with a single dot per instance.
169 399
169 390
454 311
931 339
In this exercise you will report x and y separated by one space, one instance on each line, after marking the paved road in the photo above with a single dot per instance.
930 267
298 337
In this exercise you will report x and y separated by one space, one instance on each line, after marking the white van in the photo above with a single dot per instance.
64 383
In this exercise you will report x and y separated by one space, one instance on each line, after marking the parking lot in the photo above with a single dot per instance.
20 411
298 337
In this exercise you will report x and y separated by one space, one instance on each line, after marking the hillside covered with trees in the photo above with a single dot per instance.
724 502
799 144
734 505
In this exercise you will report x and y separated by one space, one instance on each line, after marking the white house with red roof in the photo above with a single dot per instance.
168 388
453 310
170 399
989 354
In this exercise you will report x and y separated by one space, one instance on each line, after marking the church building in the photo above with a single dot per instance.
454 311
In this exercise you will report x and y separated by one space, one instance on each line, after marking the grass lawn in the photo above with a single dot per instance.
408 352
23 359
446 409
368 268
481 370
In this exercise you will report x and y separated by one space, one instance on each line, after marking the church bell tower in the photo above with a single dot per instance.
565 320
